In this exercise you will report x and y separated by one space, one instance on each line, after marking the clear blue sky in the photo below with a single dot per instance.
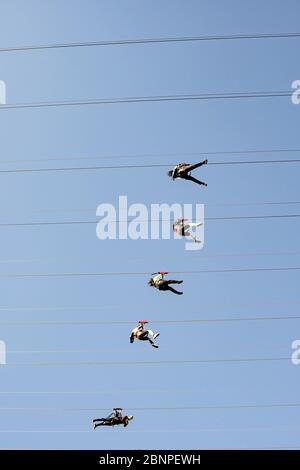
150 128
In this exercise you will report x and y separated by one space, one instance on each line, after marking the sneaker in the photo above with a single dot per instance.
205 162
154 346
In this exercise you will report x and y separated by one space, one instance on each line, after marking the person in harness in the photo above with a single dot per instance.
143 334
113 419
160 283
182 227
183 170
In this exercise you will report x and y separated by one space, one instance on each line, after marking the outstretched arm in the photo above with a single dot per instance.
132 338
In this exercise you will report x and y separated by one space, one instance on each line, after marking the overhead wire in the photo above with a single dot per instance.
213 255
159 155
218 306
151 40
163 408
153 363
95 392
161 430
93 222
142 166
150 99
133 321
205 204
108 274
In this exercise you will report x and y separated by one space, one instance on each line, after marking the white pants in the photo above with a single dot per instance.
150 334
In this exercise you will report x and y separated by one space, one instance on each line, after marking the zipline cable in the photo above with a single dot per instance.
160 155
93 222
153 363
105 307
132 167
163 408
98 274
132 322
159 40
209 204
214 255
151 99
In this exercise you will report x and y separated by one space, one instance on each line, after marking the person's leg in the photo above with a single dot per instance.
195 165
152 335
151 338
143 336
191 178
174 290
188 234
173 281
152 343
97 422
195 224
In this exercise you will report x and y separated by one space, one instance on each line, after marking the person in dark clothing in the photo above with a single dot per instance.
160 283
113 419
183 170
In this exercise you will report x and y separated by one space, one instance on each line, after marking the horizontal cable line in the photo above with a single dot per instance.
128 322
155 155
258 203
85 308
98 392
32 309
160 40
159 362
163 408
128 167
206 204
96 274
93 222
215 255
156 430
102 350
261 448
264 203
63 351
132 431
151 99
